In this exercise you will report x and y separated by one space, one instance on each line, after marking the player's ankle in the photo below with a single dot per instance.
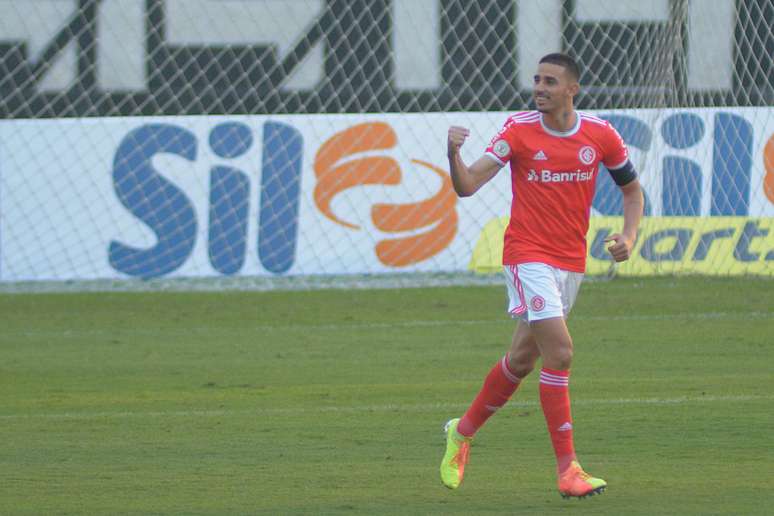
564 463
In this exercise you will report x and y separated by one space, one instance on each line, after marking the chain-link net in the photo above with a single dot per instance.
210 139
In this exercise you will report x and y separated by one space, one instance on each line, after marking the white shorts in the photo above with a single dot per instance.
539 291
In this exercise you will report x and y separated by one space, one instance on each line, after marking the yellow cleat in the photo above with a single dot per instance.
457 450
575 482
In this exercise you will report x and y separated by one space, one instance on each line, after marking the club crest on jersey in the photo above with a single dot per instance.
501 148
538 303
587 155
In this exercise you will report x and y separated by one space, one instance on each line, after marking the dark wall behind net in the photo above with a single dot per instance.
635 65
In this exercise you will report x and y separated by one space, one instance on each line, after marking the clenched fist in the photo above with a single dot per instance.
621 247
457 136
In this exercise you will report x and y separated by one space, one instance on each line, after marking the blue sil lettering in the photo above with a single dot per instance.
170 214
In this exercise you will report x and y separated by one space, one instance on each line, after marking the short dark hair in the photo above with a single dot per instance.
565 61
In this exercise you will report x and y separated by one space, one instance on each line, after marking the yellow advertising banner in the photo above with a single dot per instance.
724 246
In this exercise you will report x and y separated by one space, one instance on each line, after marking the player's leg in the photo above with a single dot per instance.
524 352
499 385
550 294
555 346
501 381
546 310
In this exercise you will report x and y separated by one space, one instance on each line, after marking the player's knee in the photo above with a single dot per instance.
559 356
562 357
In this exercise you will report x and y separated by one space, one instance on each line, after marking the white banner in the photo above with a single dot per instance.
318 194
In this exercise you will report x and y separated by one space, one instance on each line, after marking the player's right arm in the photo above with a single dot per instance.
467 179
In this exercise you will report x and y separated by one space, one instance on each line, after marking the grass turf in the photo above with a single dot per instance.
332 402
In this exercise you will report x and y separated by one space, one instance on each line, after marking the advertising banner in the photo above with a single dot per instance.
210 196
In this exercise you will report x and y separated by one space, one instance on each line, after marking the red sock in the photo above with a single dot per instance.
555 400
499 386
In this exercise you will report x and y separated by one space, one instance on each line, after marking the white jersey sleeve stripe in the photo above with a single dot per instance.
593 119
528 117
525 113
494 157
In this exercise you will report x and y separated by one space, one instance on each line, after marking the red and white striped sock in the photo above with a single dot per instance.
499 386
555 400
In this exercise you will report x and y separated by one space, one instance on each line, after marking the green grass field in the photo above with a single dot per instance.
332 402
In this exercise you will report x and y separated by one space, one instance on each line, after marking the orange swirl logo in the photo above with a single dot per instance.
341 164
768 165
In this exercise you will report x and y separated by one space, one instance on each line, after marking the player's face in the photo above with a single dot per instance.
554 88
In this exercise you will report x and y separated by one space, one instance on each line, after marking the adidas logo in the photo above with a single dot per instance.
540 155
565 427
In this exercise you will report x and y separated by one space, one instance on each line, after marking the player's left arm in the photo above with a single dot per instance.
633 204
625 176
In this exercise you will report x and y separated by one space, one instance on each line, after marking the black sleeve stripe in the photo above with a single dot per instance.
624 175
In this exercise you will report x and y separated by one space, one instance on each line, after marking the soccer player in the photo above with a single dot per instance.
554 155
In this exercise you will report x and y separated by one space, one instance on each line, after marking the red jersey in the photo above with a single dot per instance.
553 175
